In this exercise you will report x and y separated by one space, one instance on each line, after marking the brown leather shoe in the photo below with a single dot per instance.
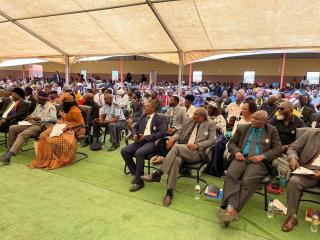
158 160
149 178
167 200
289 224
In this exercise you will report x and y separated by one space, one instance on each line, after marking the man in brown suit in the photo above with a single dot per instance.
305 151
254 146
189 145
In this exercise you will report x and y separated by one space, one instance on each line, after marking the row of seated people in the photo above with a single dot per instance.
253 148
52 152
187 142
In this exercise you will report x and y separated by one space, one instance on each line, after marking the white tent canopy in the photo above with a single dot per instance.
159 29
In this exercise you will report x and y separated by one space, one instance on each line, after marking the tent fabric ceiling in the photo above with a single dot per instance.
155 28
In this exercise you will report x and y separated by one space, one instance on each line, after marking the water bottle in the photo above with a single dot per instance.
197 192
314 224
270 210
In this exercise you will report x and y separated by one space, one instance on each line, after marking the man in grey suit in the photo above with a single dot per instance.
176 116
189 145
254 146
305 151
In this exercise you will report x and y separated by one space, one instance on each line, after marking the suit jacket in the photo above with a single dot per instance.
205 136
158 127
308 116
20 112
180 114
33 103
270 144
306 147
5 102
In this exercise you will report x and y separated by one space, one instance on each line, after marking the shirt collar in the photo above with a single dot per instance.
150 116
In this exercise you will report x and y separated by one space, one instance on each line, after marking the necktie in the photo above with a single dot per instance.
193 135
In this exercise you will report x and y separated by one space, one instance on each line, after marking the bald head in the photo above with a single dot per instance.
286 104
259 119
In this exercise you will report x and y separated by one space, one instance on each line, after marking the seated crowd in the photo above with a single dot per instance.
255 124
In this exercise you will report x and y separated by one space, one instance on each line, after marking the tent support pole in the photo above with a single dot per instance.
282 69
66 58
180 72
121 70
190 75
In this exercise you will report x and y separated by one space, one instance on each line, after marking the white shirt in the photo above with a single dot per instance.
316 162
233 109
190 111
147 131
193 136
8 110
241 121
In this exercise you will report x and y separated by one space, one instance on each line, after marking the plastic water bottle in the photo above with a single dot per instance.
314 224
270 212
197 192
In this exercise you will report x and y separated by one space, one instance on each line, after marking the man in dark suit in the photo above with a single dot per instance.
308 115
16 111
189 145
270 106
4 101
254 146
29 97
149 128
305 151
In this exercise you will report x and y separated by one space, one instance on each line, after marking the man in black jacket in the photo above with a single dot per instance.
29 97
150 127
16 111
93 115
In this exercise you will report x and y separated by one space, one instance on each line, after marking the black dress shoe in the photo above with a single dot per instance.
136 187
112 148
154 177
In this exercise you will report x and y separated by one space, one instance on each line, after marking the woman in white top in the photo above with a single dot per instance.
249 107
215 114
189 108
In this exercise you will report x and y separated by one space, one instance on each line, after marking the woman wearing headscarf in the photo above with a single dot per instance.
55 152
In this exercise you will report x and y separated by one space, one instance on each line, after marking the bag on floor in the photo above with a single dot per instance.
281 164
96 146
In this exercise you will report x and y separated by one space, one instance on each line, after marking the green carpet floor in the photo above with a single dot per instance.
90 200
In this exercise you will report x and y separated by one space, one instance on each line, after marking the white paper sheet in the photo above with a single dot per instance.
303 171
24 123
279 205
57 130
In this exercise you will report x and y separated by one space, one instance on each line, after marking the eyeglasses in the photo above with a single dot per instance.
281 108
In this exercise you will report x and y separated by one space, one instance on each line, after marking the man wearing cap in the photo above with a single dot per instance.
16 111
44 113
122 99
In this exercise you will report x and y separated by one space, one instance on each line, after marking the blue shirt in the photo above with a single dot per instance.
246 148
